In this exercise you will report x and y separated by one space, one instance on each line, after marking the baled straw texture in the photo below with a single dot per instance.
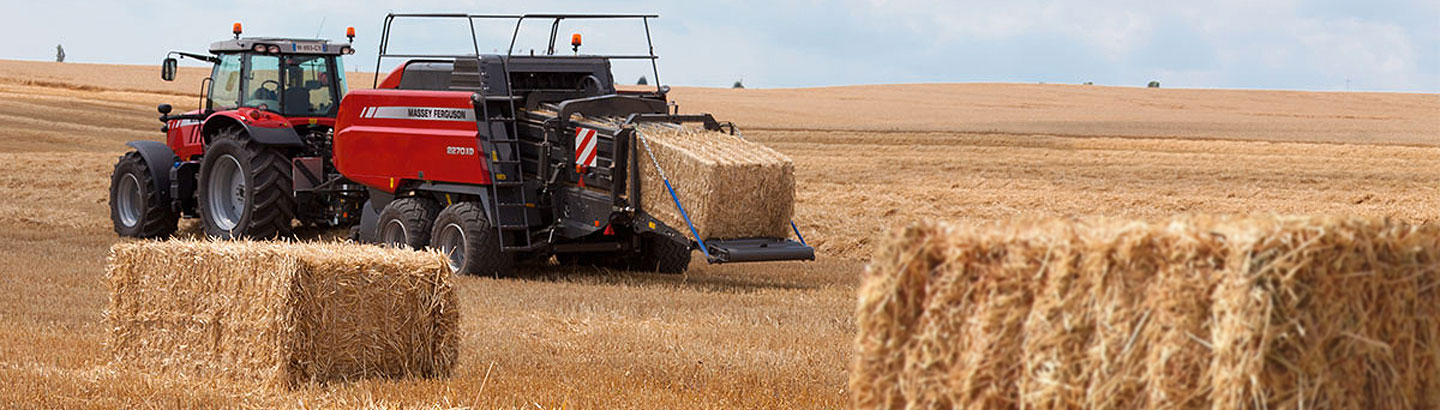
1262 313
731 187
280 313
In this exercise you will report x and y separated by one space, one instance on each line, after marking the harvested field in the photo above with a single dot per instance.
747 336
280 314
1193 313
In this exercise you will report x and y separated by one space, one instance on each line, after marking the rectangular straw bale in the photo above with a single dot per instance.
731 187
280 313
1198 312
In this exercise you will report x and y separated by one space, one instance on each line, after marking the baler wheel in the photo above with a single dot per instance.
407 222
471 244
136 206
664 255
245 189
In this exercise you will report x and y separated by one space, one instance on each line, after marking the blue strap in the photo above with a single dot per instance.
694 232
797 233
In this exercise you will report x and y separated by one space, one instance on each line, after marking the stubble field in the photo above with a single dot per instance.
759 335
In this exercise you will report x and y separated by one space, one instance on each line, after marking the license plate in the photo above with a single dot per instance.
309 48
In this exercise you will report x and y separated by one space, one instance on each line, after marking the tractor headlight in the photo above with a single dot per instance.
273 49
347 50
259 48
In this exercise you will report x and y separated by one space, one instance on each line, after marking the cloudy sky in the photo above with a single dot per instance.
1385 45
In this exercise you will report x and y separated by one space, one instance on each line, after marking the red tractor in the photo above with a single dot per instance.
254 157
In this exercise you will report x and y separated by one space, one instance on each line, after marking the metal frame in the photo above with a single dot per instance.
383 53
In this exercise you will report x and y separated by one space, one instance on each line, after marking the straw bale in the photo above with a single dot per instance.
731 187
1197 312
280 313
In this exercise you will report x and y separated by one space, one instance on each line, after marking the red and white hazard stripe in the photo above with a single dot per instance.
586 146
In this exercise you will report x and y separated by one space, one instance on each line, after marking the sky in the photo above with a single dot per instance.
1329 45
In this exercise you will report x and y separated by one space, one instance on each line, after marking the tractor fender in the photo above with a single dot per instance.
159 159
268 133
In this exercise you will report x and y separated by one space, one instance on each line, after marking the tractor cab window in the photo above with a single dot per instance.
309 86
292 85
225 83
262 83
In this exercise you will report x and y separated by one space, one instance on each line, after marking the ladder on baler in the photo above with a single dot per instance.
499 140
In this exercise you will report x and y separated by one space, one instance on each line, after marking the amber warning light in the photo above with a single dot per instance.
575 42
236 29
350 32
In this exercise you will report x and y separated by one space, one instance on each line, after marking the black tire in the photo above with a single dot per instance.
406 222
137 207
602 260
664 255
464 234
265 206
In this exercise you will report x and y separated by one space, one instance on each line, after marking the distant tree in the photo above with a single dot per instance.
642 81
1154 84
1089 83
738 84
59 53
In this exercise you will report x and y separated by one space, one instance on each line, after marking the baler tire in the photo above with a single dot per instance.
153 218
462 229
586 259
413 216
664 255
269 203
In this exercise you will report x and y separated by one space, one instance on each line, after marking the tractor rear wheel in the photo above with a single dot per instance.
244 189
406 222
469 242
136 205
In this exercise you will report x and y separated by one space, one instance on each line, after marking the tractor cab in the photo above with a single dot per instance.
288 77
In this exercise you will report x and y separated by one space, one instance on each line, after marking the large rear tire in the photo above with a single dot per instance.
245 189
136 206
407 222
467 239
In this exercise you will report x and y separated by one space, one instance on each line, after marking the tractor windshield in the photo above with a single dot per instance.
293 85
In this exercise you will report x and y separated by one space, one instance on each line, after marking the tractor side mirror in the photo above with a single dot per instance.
167 69
164 109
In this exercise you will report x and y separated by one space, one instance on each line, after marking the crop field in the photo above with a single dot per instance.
778 335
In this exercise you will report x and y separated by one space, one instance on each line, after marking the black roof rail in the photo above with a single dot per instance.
383 51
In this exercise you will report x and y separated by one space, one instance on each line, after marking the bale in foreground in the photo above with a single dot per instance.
1273 313
280 313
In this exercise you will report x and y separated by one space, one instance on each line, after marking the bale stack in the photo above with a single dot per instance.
731 187
1196 313
280 313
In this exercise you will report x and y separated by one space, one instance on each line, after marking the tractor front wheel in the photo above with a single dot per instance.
469 242
136 205
245 189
